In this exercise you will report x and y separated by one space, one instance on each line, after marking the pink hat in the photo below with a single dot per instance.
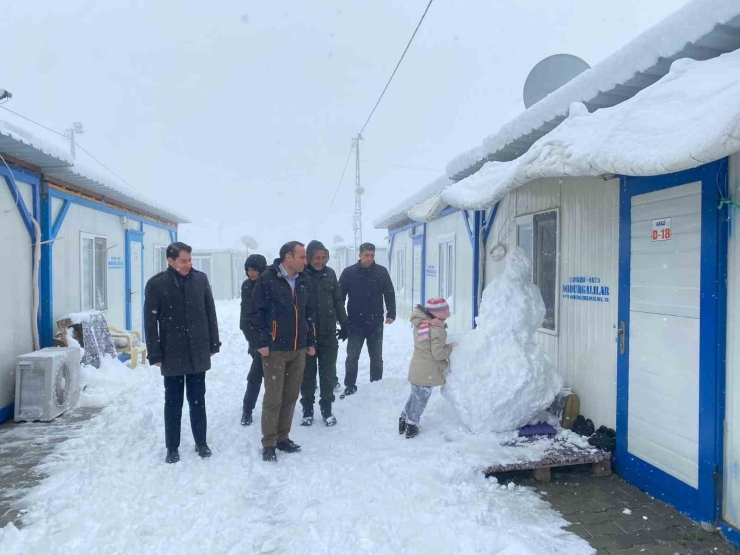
438 307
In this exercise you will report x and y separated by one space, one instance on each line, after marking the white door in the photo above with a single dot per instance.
663 421
416 285
137 286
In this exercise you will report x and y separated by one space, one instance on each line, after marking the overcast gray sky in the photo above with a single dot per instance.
240 114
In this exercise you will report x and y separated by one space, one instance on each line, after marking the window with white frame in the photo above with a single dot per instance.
538 235
400 263
203 264
93 272
446 266
160 258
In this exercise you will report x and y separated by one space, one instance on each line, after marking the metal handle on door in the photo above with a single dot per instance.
622 331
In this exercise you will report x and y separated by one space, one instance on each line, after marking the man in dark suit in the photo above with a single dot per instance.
181 337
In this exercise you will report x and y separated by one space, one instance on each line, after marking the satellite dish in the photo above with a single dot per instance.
550 74
249 242
338 239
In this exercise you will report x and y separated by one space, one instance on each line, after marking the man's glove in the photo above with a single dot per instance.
343 333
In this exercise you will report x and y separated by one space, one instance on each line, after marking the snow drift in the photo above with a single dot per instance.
499 378
688 118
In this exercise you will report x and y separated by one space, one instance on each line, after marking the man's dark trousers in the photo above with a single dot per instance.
254 380
373 334
174 388
325 359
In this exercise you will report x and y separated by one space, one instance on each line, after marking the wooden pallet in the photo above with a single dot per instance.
560 454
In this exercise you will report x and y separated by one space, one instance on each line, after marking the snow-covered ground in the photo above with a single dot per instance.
358 487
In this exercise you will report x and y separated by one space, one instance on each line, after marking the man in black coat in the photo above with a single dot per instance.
283 319
367 285
330 312
254 266
181 337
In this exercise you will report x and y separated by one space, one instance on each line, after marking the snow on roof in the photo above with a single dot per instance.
51 155
689 118
397 214
53 152
692 31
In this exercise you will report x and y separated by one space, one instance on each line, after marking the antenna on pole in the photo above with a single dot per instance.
359 191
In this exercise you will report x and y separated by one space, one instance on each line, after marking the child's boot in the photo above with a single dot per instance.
402 425
411 431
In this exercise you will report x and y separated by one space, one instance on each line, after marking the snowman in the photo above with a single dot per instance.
499 378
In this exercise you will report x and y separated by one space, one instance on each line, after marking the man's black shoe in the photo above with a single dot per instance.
269 455
173 456
349 390
246 418
203 450
288 446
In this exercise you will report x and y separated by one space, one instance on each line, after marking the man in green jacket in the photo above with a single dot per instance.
328 299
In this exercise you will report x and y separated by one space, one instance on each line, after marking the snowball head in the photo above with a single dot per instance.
499 378
577 110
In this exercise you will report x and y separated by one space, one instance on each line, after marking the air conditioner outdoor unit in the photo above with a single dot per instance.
47 383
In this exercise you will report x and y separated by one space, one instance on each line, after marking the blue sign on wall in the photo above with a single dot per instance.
580 288
115 263
431 271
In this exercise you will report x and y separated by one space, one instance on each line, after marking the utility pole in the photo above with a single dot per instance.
358 195
78 129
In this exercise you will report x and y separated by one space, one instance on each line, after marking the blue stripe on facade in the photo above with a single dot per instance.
7 413
731 534
10 180
103 207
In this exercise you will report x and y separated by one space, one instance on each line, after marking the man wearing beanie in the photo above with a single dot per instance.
330 305
254 266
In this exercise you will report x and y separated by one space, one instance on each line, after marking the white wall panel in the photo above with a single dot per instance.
584 349
731 509
15 292
66 290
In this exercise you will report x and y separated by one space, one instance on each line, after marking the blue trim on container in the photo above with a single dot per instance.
405 227
467 226
447 211
60 218
723 237
731 534
476 242
173 235
418 241
424 266
489 222
46 274
7 413
702 503
391 240
20 203
103 207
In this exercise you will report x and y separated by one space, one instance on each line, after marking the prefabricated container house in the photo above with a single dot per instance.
224 268
628 213
432 259
98 242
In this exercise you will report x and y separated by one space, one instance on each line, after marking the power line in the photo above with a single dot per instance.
35 122
382 94
76 144
397 66
346 163
106 167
